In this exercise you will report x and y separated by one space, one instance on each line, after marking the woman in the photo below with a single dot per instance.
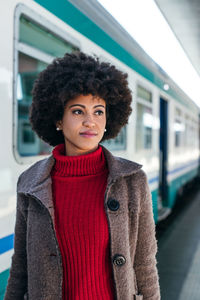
84 226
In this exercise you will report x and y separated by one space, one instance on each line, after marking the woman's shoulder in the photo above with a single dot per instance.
119 166
138 174
38 170
127 162
134 170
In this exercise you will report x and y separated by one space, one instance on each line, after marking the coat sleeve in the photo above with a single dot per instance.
145 260
17 281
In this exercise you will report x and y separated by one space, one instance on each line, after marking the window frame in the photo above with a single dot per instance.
110 144
148 104
187 121
43 22
179 117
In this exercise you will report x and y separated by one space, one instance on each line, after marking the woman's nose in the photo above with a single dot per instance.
88 121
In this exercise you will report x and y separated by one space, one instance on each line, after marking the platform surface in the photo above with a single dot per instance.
179 253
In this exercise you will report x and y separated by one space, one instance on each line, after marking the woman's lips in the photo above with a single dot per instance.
88 134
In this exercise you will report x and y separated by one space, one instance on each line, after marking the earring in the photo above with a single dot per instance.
57 128
105 130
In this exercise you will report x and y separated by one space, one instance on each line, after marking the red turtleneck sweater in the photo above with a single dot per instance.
78 185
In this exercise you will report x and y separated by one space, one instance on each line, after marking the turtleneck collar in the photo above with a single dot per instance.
81 165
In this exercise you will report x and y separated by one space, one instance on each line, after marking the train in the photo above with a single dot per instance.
163 129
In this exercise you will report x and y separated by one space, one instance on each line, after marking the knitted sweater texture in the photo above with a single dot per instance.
78 186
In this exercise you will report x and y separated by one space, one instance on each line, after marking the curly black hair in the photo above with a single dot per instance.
73 75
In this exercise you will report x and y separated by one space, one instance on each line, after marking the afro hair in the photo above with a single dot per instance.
73 75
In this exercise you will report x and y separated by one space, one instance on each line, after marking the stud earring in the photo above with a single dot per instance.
105 130
57 128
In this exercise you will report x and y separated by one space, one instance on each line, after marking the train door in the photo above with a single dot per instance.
163 211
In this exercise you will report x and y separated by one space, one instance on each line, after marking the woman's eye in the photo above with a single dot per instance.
77 112
99 112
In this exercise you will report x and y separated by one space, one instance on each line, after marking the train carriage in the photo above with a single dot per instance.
163 130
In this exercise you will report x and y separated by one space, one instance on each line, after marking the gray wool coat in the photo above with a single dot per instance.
36 270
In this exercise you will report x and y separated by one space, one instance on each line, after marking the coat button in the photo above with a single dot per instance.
113 204
119 260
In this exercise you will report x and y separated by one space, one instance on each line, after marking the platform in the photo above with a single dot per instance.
179 252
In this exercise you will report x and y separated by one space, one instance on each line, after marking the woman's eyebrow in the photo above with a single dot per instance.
84 105
99 105
77 105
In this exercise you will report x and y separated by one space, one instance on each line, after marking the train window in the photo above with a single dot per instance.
144 120
143 127
178 112
35 47
193 133
118 143
40 38
187 132
144 94
179 128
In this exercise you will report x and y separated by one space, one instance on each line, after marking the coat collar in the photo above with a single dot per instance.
36 181
119 167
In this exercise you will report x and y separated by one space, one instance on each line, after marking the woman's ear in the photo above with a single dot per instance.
59 124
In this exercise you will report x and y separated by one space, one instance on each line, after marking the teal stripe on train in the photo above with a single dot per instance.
155 204
64 10
176 184
3 280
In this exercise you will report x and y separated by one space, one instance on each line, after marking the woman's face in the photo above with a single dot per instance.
83 124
